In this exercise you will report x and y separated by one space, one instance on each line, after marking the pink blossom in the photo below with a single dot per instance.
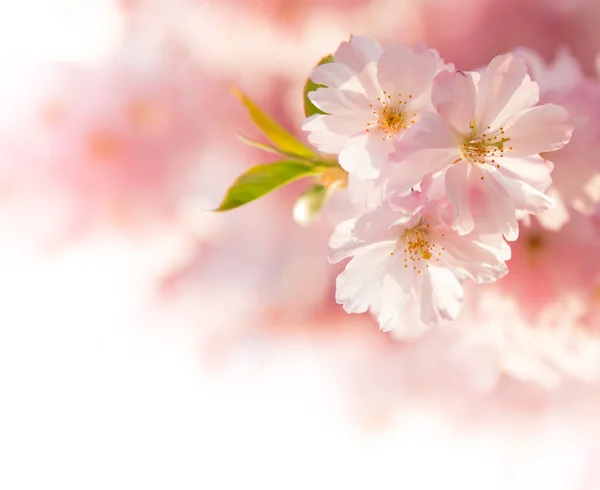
403 257
372 96
485 140
563 74
575 165
114 144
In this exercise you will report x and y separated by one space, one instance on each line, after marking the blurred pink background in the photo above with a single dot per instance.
149 343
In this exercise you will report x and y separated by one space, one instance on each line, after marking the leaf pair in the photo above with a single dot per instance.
300 161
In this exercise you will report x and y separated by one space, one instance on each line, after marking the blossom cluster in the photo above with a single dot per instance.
442 164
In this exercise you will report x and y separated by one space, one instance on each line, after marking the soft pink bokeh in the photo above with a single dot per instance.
131 143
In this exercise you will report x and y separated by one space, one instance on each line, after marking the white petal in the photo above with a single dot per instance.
366 231
395 291
453 97
359 285
427 148
358 53
336 75
525 197
533 170
401 70
498 202
482 262
538 130
364 155
342 233
322 137
341 102
554 219
504 89
457 192
441 295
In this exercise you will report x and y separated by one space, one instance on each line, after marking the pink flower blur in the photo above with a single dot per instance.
142 142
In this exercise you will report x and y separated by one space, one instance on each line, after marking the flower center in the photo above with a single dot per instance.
535 242
392 117
484 148
417 247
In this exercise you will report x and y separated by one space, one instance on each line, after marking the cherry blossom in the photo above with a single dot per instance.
574 186
484 140
372 95
399 257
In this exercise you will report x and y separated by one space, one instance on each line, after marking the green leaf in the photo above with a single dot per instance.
310 86
262 179
308 206
273 131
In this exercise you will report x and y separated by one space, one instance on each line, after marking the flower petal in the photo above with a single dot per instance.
427 148
454 97
322 137
498 203
336 75
482 262
396 290
533 170
504 89
402 70
457 193
359 285
364 155
538 130
341 102
525 197
441 295
358 53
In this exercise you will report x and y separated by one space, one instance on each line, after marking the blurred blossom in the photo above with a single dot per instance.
576 183
114 144
118 134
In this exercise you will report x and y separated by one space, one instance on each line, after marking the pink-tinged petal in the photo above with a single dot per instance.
377 225
557 217
409 203
457 193
396 287
479 261
525 197
372 227
342 233
353 248
441 64
564 73
364 155
504 89
401 70
441 295
434 187
336 75
369 83
322 137
498 202
428 147
341 102
418 165
533 170
358 53
359 285
537 130
496 243
431 132
352 125
363 192
454 97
